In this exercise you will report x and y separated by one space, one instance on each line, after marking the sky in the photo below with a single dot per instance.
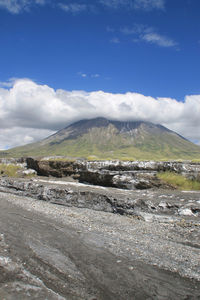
64 60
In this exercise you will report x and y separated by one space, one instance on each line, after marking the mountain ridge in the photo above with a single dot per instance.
101 138
103 122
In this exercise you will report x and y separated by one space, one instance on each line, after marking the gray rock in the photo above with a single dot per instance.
135 202
185 212
29 172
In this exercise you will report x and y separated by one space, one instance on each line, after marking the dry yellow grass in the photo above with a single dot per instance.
9 170
179 181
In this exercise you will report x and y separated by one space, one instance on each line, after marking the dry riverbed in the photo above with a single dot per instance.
49 251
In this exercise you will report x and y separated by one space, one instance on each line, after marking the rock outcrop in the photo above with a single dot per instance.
125 175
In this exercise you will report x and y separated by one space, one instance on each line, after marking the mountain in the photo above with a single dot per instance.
106 139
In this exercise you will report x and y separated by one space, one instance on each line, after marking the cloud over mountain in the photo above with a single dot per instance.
29 111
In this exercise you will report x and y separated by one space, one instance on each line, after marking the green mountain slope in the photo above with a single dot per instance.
103 139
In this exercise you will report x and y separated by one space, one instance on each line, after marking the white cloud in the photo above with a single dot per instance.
149 4
136 29
95 75
115 3
18 6
149 35
134 4
6 84
84 75
160 40
14 6
11 137
128 31
74 8
40 2
10 82
29 111
115 40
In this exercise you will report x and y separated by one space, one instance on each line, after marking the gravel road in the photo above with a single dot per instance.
49 251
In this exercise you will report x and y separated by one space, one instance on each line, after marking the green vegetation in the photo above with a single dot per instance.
9 170
179 181
116 147
196 160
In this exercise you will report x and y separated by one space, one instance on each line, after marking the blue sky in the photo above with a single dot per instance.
148 47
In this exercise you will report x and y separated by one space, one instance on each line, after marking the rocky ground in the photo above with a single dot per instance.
127 236
101 243
166 205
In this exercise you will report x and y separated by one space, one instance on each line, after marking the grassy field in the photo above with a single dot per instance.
179 181
9 170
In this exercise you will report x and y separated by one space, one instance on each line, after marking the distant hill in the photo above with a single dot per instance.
106 139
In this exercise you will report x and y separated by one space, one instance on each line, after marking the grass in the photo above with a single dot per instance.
179 181
196 160
9 170
67 159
